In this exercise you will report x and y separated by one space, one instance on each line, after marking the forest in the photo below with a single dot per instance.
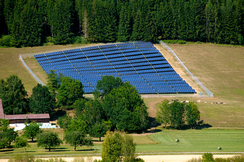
36 22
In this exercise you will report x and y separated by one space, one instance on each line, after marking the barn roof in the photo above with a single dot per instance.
29 116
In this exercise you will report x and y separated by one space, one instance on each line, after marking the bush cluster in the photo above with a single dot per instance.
175 41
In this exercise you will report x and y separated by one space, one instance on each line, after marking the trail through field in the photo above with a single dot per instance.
152 107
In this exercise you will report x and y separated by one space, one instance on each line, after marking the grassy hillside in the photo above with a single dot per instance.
218 67
10 63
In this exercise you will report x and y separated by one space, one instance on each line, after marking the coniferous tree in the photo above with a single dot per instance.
217 22
199 21
186 20
209 16
3 27
80 6
191 22
110 22
181 20
150 29
61 21
31 22
167 22
137 32
124 24
27 23
9 6
173 10
240 20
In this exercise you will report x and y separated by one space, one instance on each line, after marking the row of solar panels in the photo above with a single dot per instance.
155 76
101 48
114 57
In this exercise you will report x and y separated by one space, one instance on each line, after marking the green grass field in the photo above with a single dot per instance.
207 140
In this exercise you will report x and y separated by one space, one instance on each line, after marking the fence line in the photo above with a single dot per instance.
37 79
209 93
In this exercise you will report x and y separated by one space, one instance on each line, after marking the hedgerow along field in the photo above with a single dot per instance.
222 74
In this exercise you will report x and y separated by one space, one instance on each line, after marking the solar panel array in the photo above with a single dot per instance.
139 63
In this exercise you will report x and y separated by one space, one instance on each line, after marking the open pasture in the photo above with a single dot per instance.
190 141
206 140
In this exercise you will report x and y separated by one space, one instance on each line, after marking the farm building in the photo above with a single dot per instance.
18 121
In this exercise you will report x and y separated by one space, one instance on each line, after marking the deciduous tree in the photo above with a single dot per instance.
118 146
98 130
14 96
125 109
69 91
21 142
192 114
48 139
177 114
163 113
32 130
41 100
107 84
77 138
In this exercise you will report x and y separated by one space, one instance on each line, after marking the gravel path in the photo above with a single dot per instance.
150 158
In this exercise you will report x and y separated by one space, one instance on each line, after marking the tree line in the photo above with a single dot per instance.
34 22
117 146
176 114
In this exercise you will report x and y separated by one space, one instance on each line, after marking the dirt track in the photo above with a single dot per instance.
151 158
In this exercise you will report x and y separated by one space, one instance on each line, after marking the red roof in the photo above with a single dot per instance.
29 116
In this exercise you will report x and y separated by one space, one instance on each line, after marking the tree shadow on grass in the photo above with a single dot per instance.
57 114
94 140
91 149
153 122
66 149
34 141
202 125
60 149
6 150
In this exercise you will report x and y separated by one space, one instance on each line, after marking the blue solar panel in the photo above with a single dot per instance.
124 60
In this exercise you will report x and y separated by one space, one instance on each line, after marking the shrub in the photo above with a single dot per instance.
82 159
78 40
5 40
138 160
49 41
170 41
207 157
22 158
195 160
181 42
239 158
175 41
51 160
